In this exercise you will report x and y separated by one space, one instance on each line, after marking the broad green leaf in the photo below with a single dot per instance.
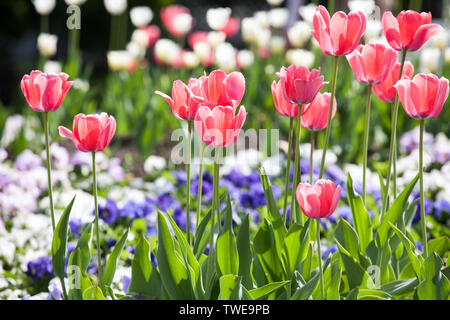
145 279
370 294
435 286
93 293
59 243
264 291
399 287
226 250
348 238
361 218
439 245
78 281
244 251
202 235
230 287
113 260
394 212
352 294
174 275
295 246
305 291
84 244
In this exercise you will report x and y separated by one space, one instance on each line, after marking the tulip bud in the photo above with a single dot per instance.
141 16
44 7
115 7
249 29
47 44
299 34
217 17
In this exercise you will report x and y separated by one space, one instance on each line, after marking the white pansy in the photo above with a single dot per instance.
7 249
215 38
44 7
277 44
140 38
119 60
299 34
300 57
272 166
154 164
278 17
307 12
182 23
373 30
75 2
47 44
52 66
166 50
366 6
440 41
190 59
429 59
225 56
141 16
3 154
11 129
245 58
217 17
115 7
275 3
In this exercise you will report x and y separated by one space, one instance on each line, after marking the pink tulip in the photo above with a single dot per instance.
184 102
410 30
340 35
220 126
372 63
232 27
44 91
284 107
319 200
385 90
91 132
315 114
168 18
299 85
153 33
424 96
197 37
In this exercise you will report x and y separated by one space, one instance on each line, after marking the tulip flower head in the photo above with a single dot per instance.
43 91
315 114
283 106
299 84
386 90
141 16
410 30
231 28
339 35
177 20
91 132
220 126
372 63
318 200
424 96
152 33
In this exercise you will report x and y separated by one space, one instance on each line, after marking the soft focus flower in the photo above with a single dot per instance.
108 212
141 16
44 7
90 132
386 90
440 40
244 59
45 91
278 17
410 30
339 35
429 60
120 60
299 84
75 2
153 33
249 29
52 67
47 44
318 200
220 126
275 3
13 125
373 30
423 97
372 63
27 160
115 7
184 102
154 164
299 34
205 53
231 27
177 20
315 114
82 85
277 44
166 51
300 57
307 12
284 107
366 6
40 268
190 59
215 38
140 38
217 17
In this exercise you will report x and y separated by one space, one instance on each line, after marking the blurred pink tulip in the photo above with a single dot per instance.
385 90
153 33
169 19
232 27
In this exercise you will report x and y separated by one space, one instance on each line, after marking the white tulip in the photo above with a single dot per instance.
307 12
245 58
225 56
277 44
299 34
217 17
140 38
440 40
52 67
249 28
263 37
135 50
183 23
262 18
44 7
429 60
275 3
115 7
166 51
215 38
447 55
278 17
75 2
119 60
203 51
366 6
300 57
82 85
373 30
141 16
47 44
191 60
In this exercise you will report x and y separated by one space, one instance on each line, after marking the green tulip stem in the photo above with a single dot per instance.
366 141
422 204
288 167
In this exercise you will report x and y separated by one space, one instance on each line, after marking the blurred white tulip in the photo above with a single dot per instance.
262 18
300 57
299 34
373 30
278 17
429 59
263 37
47 44
275 3
307 12
366 6
440 40
75 2
190 59
82 85
225 57
141 16
203 51
215 38
244 59
135 50
119 60
183 23
277 44
166 51
249 28
217 17
140 38
52 67
115 7
44 7
447 55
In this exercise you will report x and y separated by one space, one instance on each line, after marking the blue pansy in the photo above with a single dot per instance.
109 212
40 268
440 206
